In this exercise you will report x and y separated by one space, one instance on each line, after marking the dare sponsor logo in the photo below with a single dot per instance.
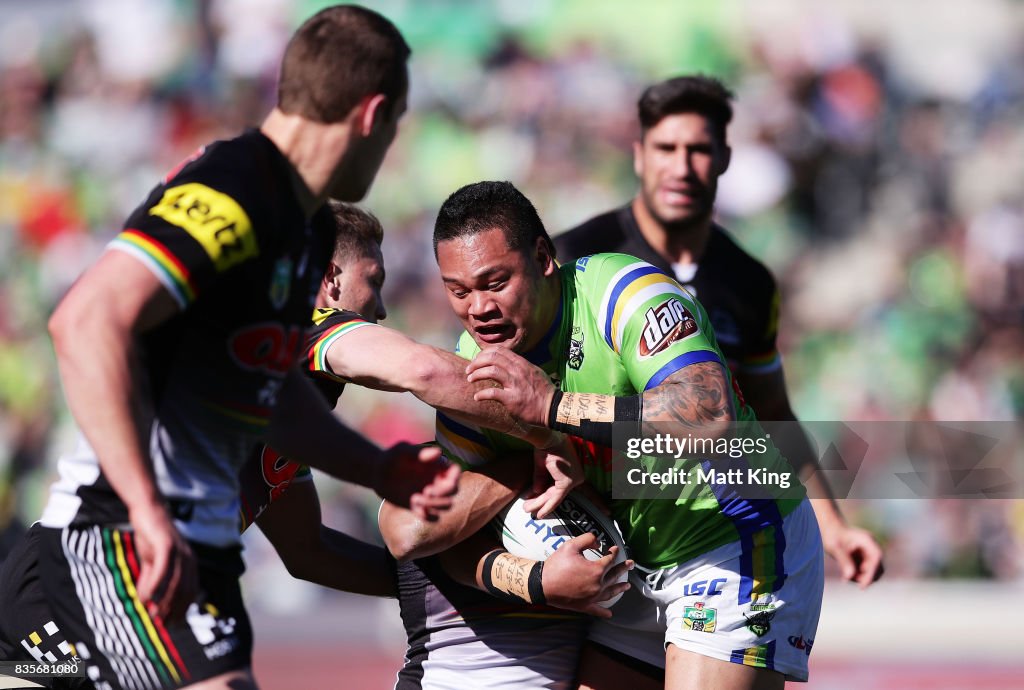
268 347
665 324
213 219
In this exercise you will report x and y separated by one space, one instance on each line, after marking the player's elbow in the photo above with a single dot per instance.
71 329
423 372
61 326
301 566
405 536
406 543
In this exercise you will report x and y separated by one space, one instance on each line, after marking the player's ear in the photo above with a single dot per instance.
724 158
329 285
638 157
370 113
544 255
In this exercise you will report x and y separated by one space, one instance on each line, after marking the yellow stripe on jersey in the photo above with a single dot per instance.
635 296
627 291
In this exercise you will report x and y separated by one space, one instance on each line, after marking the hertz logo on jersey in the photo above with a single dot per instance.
213 218
666 323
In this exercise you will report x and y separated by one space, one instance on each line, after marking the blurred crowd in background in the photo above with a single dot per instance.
877 169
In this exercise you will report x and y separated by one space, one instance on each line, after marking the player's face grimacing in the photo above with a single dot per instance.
495 290
678 162
360 284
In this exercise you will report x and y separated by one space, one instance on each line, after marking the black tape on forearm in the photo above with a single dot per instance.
535 584
556 400
627 409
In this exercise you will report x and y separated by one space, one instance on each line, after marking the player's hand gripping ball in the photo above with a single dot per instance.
524 535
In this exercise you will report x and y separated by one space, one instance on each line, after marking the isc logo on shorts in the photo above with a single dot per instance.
213 219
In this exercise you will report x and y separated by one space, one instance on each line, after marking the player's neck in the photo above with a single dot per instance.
551 300
314 150
683 244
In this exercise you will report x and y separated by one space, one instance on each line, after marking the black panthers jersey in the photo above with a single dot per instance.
737 291
268 474
226 236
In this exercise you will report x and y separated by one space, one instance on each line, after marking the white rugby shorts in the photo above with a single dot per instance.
755 602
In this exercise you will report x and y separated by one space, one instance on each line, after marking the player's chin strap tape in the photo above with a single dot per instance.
565 415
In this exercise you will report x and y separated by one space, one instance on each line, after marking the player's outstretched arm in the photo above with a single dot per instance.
94 330
304 428
314 552
566 580
855 550
483 492
385 359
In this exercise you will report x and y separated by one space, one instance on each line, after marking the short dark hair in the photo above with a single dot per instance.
483 206
357 232
698 93
337 57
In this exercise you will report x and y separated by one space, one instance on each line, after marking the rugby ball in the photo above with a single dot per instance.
524 535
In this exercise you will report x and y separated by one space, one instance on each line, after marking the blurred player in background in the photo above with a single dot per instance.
586 327
682 151
176 351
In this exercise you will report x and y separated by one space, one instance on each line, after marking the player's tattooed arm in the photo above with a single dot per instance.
695 396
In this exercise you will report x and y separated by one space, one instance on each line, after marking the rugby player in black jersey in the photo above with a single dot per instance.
681 152
176 351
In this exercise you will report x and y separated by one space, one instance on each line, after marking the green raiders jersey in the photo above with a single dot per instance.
624 327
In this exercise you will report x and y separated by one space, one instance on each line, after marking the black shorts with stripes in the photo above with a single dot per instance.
89 575
28 628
